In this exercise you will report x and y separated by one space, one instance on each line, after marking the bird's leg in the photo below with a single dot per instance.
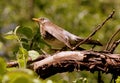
68 44
93 47
64 48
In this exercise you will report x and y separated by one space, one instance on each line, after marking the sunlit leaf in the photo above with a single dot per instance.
118 79
49 81
22 63
33 54
20 76
2 66
22 57
11 68
81 80
10 36
23 51
10 32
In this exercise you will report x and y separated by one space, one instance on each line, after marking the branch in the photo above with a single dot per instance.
96 29
114 46
108 44
68 61
15 63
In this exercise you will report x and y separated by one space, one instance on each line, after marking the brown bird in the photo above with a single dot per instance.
57 37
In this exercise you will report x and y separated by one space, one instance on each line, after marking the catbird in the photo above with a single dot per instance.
58 37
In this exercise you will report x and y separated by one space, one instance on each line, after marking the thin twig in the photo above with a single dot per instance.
96 29
110 40
114 46
15 63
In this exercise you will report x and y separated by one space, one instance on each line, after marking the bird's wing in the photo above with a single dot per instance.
65 36
58 33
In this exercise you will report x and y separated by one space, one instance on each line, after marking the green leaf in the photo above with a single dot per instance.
1 46
10 36
118 79
2 66
11 68
81 80
33 54
22 63
22 57
20 76
23 51
24 32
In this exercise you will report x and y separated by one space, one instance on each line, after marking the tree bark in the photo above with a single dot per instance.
68 61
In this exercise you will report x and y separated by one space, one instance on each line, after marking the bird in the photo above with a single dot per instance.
57 37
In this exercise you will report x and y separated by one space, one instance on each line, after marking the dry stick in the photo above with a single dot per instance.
15 63
110 40
96 29
68 61
114 46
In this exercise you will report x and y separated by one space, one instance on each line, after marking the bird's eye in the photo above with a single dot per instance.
42 19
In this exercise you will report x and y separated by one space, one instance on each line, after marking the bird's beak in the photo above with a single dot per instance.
35 19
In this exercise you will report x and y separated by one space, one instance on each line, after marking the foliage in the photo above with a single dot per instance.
118 79
20 76
15 75
81 80
77 16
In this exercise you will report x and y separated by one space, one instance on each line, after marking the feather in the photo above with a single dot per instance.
60 35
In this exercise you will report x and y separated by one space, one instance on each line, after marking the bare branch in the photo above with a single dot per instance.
114 46
15 63
68 61
110 40
96 29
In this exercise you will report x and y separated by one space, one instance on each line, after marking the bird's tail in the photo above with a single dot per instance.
90 41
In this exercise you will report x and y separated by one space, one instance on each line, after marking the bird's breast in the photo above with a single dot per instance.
52 41
55 44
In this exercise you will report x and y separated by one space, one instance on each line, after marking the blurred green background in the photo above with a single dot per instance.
77 16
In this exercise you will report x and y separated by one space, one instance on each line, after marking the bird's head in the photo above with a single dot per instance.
41 20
